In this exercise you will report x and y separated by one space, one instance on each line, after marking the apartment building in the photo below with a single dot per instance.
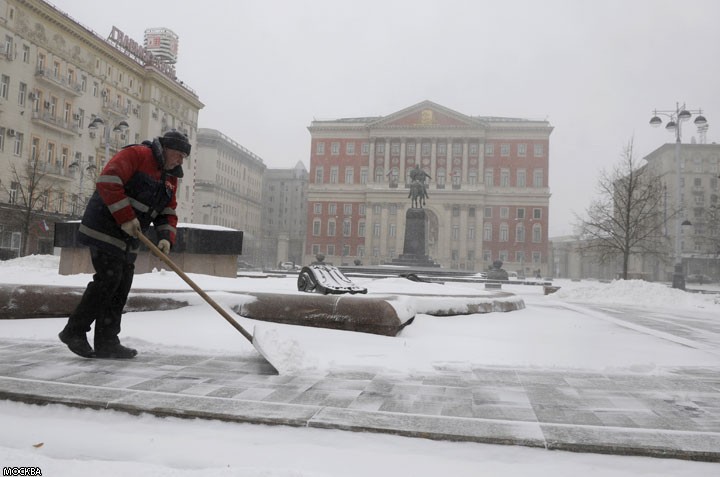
229 188
69 100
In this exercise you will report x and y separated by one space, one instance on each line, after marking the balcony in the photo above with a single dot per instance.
55 170
49 78
115 111
60 125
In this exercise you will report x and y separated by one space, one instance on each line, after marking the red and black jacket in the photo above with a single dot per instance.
133 184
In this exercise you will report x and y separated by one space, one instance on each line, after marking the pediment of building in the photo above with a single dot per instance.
425 115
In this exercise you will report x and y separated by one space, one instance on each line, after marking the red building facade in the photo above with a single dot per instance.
488 188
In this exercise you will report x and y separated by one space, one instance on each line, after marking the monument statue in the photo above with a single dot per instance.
418 188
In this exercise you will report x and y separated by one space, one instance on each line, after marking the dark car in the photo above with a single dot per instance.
699 278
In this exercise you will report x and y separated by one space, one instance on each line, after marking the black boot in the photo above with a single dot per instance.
77 342
114 351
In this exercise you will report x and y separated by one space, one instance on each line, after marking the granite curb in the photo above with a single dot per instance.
672 415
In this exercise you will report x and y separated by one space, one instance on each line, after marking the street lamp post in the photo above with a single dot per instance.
78 165
677 116
212 211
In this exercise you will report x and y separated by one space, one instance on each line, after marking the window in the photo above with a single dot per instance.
536 257
350 149
471 212
504 233
504 212
487 232
473 149
520 213
521 178
4 86
425 149
317 208
365 150
455 232
392 230
319 175
410 149
315 249
454 255
488 212
472 177
349 175
441 149
14 186
393 209
489 149
50 153
395 148
522 150
17 148
379 174
487 255
363 175
504 177
332 209
2 139
456 211
361 229
331 228
471 233
504 150
539 150
440 176
503 255
457 149
22 93
26 54
537 213
347 228
361 210
347 209
377 209
376 229
331 250
489 177
537 233
538 178
520 256
519 233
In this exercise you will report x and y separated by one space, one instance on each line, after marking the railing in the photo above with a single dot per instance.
72 87
48 119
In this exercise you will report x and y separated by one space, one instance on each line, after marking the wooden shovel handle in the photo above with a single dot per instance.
148 243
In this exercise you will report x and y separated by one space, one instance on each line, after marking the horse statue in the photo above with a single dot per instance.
418 194
418 189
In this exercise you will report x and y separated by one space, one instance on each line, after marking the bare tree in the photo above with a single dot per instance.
30 192
628 218
707 236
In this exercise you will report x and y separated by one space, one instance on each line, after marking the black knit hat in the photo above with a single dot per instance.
174 139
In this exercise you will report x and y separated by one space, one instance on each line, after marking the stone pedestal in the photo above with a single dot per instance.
415 246
196 250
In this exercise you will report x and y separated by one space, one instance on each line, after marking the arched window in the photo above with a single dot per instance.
487 232
504 232
537 233
379 173
520 233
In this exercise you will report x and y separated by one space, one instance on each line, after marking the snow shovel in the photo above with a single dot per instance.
156 251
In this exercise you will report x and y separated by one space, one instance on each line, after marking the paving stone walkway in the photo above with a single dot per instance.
674 414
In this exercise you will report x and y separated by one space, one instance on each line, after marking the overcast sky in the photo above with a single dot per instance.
594 69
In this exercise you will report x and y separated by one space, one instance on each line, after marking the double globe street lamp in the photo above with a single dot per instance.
677 116
122 126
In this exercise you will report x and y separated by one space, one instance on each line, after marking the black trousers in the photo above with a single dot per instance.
104 297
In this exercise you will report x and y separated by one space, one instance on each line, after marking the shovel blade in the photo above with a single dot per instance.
264 354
